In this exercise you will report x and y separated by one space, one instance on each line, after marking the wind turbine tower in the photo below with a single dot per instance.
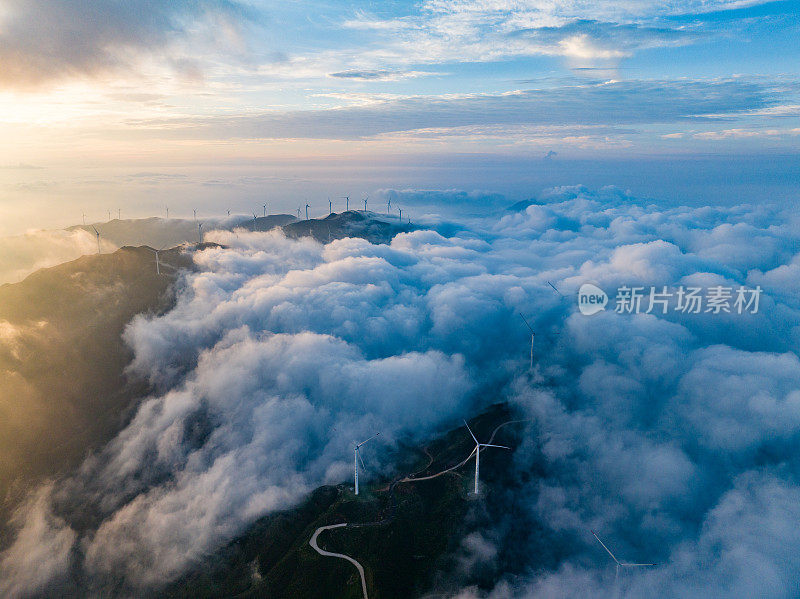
158 264
330 206
264 206
618 563
119 213
533 336
365 204
388 206
401 214
357 458
307 206
109 215
200 232
195 214
477 451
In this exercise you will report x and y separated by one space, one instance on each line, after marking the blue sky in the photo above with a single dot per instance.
311 95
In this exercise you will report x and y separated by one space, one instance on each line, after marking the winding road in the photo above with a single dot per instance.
408 479
313 543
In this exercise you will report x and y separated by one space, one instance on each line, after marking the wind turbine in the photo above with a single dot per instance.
97 233
167 207
618 563
365 204
195 213
357 458
388 206
84 219
298 212
229 211
200 231
533 336
109 215
477 450
330 206
264 206
254 221
401 214
119 213
307 206
158 264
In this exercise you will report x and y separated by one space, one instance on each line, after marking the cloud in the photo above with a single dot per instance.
584 34
24 254
618 102
43 42
378 75
674 436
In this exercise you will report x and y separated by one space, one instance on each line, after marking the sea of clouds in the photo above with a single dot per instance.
674 436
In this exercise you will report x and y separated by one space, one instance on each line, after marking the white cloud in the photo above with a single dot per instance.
279 353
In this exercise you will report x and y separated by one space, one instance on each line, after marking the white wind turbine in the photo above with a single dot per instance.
330 206
298 212
307 207
347 203
97 233
200 231
388 206
365 204
357 458
618 563
158 262
477 451
264 206
533 336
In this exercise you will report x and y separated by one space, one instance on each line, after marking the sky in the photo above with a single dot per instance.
222 104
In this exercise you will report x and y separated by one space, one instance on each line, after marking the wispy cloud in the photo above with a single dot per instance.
615 102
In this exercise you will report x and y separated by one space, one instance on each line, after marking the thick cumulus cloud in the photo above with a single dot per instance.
673 435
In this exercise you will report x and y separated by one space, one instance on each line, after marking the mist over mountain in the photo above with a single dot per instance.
63 388
673 435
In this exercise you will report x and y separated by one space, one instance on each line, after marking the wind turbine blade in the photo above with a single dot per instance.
360 459
95 231
606 548
554 288
488 445
527 324
370 439
470 433
635 565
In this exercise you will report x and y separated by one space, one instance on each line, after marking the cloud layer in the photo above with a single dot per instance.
674 436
